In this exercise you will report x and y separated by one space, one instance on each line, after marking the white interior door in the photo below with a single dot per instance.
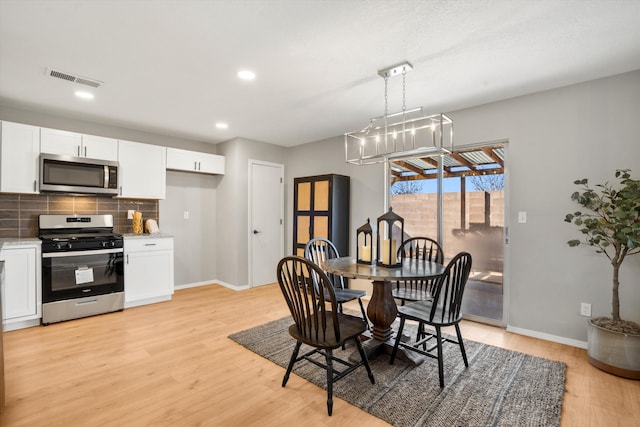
266 221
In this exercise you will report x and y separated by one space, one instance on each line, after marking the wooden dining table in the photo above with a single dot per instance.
382 310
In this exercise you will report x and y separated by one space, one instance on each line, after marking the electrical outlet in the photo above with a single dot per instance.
186 214
130 214
585 309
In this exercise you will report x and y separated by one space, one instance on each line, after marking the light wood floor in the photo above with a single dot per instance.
171 364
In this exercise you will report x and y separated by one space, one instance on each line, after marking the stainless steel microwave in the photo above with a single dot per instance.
78 175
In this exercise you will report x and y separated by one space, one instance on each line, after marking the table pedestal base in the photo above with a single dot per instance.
382 312
374 348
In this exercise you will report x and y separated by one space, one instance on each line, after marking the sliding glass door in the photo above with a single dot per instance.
468 216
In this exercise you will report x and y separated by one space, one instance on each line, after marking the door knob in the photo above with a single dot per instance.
255 232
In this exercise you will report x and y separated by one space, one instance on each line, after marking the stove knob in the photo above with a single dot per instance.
105 244
58 246
113 243
68 246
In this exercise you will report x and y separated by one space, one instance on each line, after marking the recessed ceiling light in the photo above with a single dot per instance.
84 95
246 75
221 125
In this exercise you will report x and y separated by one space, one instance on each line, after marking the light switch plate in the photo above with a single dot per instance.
522 217
186 214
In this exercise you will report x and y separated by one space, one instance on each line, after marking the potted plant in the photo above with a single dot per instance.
611 225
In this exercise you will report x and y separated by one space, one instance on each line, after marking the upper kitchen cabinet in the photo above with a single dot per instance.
56 141
19 151
141 170
193 161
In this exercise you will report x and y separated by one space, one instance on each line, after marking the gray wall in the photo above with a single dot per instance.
232 206
327 156
555 137
195 242
581 131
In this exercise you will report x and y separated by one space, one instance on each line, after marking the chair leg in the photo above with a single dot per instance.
440 359
294 356
464 353
364 314
365 360
397 343
328 355
420 334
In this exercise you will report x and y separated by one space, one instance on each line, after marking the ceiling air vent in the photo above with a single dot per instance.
73 78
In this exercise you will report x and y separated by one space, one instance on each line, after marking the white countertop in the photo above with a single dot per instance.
31 241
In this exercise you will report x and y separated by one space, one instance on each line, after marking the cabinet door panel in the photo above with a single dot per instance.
98 147
304 196
321 196
61 142
19 152
147 275
321 226
303 236
20 298
210 163
142 170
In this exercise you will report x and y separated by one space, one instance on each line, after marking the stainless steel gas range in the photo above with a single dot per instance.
82 266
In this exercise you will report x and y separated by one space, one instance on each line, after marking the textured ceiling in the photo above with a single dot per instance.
170 66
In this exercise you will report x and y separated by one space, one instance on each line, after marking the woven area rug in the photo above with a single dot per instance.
499 388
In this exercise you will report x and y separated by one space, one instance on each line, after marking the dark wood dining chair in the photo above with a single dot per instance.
318 325
319 250
443 310
421 248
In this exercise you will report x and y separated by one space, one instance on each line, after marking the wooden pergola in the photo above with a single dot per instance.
470 162
486 160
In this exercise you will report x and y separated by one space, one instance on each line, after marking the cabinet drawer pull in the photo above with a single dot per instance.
150 244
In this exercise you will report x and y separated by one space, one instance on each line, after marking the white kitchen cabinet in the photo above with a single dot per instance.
66 143
193 161
141 170
22 295
148 270
19 152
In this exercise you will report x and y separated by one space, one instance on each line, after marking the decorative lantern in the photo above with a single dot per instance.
387 246
364 244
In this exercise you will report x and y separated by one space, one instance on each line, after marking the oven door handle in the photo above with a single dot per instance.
80 253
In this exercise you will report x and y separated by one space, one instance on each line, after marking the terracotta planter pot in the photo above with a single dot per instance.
614 352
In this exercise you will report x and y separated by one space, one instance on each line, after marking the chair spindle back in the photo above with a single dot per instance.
449 288
309 296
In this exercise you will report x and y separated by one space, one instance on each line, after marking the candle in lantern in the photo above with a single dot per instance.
385 252
365 253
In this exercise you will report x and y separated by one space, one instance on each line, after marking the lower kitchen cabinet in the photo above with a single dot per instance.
148 270
22 294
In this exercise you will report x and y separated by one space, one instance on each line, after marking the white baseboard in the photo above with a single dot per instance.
211 282
13 326
145 301
547 337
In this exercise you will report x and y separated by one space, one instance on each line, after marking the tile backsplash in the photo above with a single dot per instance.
19 212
